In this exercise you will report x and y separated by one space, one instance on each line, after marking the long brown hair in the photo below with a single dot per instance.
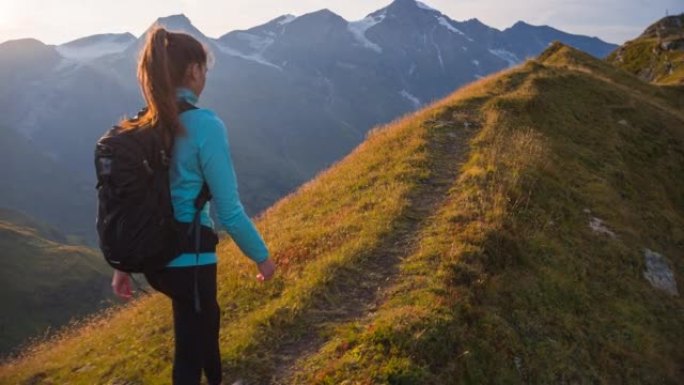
162 65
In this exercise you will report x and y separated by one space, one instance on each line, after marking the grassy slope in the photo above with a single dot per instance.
20 219
525 291
44 282
451 247
643 57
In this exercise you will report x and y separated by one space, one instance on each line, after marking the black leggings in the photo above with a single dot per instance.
196 334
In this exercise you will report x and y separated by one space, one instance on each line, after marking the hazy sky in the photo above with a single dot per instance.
59 21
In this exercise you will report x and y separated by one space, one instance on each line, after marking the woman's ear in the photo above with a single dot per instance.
195 77
192 73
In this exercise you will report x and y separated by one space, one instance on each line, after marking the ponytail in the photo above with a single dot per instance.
161 68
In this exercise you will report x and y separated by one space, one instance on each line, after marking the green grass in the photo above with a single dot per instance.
452 246
525 292
645 58
45 283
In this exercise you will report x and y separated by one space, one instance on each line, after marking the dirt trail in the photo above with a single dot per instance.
364 287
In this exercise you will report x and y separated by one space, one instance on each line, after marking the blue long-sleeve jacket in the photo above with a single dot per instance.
203 153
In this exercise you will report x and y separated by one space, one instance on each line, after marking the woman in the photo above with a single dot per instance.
172 68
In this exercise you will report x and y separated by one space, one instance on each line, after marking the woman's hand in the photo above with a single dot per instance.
121 284
266 270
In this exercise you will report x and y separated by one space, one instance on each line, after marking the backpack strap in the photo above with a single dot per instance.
203 197
195 227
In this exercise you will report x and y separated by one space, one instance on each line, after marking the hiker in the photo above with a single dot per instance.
171 72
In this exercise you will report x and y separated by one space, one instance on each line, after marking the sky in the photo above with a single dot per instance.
60 21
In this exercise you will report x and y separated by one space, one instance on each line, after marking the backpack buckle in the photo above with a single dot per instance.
164 158
147 166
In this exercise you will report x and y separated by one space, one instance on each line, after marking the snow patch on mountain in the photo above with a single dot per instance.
88 50
424 6
257 58
411 98
286 19
256 42
508 56
444 22
359 28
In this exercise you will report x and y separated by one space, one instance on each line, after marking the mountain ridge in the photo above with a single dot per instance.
495 236
180 21
325 84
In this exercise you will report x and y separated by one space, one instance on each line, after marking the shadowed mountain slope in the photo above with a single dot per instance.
45 282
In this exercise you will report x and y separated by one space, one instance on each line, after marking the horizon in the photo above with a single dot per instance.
253 15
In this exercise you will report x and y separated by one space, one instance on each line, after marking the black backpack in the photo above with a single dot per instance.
135 223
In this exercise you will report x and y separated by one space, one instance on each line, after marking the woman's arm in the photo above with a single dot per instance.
219 173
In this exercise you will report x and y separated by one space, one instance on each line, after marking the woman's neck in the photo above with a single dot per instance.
186 93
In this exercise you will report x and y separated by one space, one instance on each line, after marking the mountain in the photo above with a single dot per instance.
176 23
42 187
527 40
22 61
254 41
44 230
16 54
45 282
96 46
657 55
297 93
524 229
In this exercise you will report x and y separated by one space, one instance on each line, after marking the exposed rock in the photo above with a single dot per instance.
659 273
518 364
673 45
597 225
